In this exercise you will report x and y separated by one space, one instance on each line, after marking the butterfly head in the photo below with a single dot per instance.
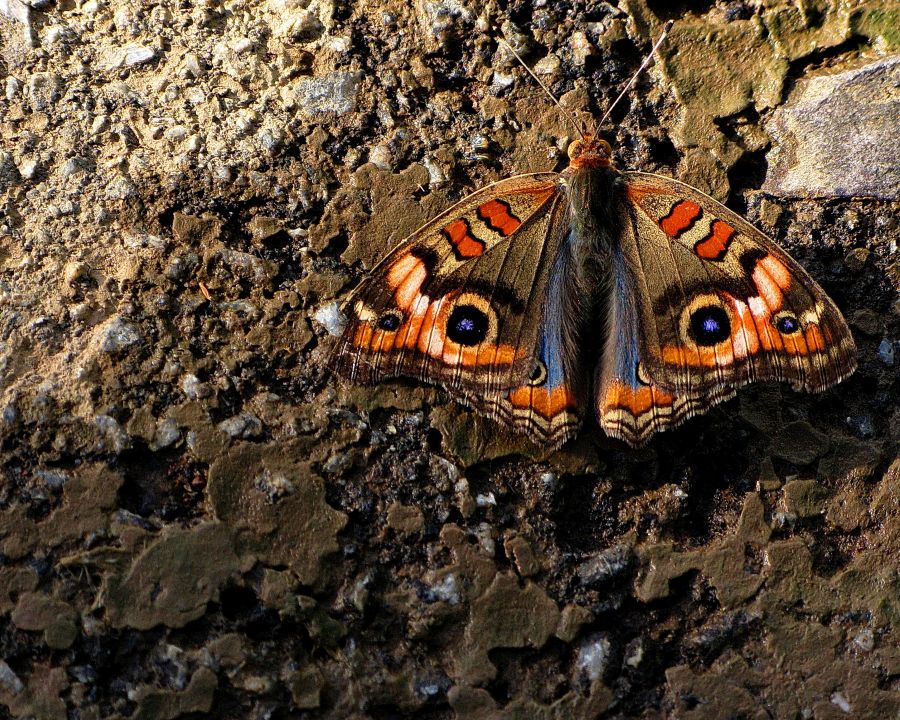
590 151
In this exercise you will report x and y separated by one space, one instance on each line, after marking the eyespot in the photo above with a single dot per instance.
710 325
467 325
390 321
786 323
641 373
538 375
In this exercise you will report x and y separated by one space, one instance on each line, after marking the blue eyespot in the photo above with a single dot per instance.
390 321
467 325
710 325
787 324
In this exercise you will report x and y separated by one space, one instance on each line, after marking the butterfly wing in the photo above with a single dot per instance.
460 304
709 304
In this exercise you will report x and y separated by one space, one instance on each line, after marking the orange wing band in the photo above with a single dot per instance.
497 216
681 218
465 245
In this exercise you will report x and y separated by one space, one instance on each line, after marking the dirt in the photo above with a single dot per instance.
196 518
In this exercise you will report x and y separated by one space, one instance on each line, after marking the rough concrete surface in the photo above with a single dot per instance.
196 519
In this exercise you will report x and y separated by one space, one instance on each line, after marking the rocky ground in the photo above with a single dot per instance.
196 518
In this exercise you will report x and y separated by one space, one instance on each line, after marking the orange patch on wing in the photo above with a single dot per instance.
496 215
777 270
761 314
715 245
481 355
635 401
405 278
423 328
814 339
681 217
547 403
708 357
465 245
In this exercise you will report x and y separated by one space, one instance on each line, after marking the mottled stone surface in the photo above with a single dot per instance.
196 519
836 135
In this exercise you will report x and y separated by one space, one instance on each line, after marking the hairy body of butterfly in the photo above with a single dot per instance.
543 298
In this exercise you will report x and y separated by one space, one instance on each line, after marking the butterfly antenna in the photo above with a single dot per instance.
644 65
565 111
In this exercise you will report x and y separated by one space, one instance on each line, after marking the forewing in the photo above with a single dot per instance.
458 303
719 303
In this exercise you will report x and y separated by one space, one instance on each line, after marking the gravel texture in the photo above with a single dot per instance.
197 519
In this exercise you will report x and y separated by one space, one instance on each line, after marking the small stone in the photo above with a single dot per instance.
770 212
886 352
272 139
244 425
13 86
143 240
800 443
304 27
9 681
99 124
593 657
380 156
484 500
136 55
74 166
405 519
245 120
571 620
501 81
867 321
193 388
305 687
804 498
582 48
20 12
856 259
333 93
120 188
605 565
331 318
176 133
113 438
839 699
181 266
548 65
83 673
74 271
634 653
242 45
257 684
9 173
191 65
118 335
262 227
54 479
445 590
167 433
518 39
520 551
29 168
436 176
274 486
865 640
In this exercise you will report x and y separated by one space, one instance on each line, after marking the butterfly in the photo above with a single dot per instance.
547 297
